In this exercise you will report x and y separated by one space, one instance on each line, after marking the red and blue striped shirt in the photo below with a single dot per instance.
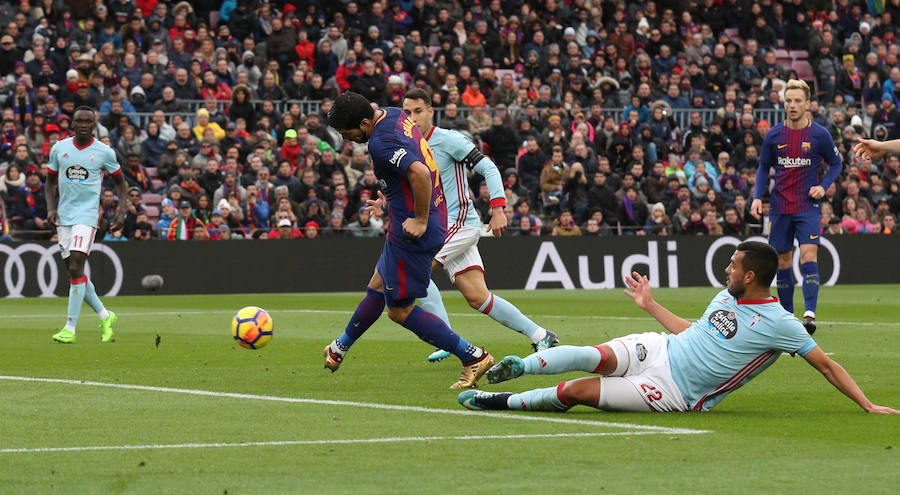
797 157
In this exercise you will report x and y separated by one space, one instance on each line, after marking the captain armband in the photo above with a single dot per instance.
472 158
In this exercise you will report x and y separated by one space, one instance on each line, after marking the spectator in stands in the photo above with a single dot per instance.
565 225
632 212
30 208
311 229
365 225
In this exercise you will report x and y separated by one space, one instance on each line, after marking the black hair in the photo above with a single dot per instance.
761 259
348 111
419 94
85 108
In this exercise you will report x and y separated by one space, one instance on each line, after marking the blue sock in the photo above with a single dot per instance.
92 299
367 312
541 399
434 304
431 329
810 273
785 284
564 358
76 297
504 313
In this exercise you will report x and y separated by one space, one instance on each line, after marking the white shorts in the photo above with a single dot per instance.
643 380
460 252
75 238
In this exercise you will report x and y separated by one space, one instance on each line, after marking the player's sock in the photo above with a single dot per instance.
810 273
504 313
785 283
367 312
541 399
565 358
434 303
76 297
93 300
431 329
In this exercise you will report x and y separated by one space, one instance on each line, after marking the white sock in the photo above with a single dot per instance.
71 328
809 313
538 334
103 314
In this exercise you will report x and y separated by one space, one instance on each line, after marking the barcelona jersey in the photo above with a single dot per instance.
797 156
394 145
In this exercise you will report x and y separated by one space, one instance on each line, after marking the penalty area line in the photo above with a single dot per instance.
319 442
368 405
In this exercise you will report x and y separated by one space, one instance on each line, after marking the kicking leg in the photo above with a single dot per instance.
591 359
431 329
367 313
107 318
473 287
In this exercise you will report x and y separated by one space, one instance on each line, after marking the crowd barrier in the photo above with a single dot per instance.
330 265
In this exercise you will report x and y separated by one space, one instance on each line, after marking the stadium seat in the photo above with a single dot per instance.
153 172
151 199
213 19
731 32
785 62
781 53
152 211
799 54
158 184
487 62
431 50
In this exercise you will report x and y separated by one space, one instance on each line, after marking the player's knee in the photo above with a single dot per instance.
75 272
582 391
399 315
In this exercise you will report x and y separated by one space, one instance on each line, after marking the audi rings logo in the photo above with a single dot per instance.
15 272
711 274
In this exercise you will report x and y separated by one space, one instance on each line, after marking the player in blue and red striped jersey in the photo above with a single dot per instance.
418 226
796 149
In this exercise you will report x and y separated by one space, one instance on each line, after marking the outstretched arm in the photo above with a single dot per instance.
640 293
870 148
838 376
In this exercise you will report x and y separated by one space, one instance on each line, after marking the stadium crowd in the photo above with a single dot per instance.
604 117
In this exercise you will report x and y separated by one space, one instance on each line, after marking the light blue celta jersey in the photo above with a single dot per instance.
455 155
734 341
80 179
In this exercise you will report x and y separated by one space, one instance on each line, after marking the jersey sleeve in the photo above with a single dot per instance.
831 156
766 157
465 152
53 162
395 154
793 338
111 162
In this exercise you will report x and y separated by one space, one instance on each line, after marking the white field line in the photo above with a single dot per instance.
455 315
370 405
318 442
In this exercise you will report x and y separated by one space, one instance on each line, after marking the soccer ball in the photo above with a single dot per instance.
252 327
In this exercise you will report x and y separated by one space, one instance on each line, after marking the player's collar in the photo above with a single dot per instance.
79 148
379 119
772 299
430 132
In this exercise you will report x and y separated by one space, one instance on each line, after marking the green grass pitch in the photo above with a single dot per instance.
275 421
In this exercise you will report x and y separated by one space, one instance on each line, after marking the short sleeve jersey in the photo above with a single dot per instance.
394 145
797 156
79 171
734 341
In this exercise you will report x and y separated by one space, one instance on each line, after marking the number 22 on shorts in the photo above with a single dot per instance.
650 392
